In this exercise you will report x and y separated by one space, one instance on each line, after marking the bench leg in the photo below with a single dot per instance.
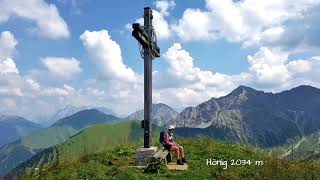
169 157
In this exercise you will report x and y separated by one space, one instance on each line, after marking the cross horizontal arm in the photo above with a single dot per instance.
143 40
139 33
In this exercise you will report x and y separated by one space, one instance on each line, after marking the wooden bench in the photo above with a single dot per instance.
163 154
166 156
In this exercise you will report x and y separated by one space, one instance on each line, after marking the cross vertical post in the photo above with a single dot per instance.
147 39
147 81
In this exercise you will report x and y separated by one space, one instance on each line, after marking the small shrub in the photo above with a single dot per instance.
124 151
155 166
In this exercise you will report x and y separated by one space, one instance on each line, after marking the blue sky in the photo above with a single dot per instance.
55 53
99 15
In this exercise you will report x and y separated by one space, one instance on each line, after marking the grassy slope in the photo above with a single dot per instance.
12 154
96 153
96 138
306 148
15 153
100 137
48 137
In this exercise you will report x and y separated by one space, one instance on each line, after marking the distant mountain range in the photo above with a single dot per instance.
244 116
13 128
255 117
162 114
19 151
69 110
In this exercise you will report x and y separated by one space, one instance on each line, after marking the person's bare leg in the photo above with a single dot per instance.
176 149
181 151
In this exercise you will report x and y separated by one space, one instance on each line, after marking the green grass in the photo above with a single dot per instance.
101 137
48 137
94 139
108 152
117 164
98 138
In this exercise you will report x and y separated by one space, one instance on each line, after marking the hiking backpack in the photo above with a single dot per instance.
161 138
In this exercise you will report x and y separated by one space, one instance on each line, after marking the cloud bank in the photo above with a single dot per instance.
46 16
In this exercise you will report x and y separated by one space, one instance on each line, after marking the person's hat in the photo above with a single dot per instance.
171 127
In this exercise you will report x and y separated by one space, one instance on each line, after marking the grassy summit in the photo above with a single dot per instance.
107 152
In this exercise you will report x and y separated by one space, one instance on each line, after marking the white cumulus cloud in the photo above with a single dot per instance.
8 66
7 44
61 67
181 67
46 16
195 25
7 48
269 67
164 6
272 70
106 54
189 84
282 23
21 94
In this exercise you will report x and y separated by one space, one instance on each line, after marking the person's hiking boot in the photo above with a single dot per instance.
179 162
184 160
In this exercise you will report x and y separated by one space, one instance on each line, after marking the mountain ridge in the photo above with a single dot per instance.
13 127
256 117
68 110
162 114
85 117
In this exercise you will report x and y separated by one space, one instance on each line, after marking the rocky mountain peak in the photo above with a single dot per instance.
256 117
162 114
242 90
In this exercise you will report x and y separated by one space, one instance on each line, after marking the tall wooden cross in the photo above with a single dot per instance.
147 40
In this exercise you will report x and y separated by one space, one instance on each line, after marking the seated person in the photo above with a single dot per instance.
171 145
